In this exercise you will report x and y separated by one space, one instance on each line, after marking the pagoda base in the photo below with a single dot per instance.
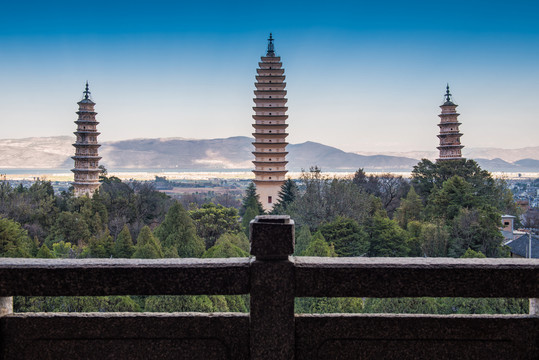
85 189
268 191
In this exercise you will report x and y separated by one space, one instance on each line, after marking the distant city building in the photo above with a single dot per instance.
86 171
270 128
508 228
450 147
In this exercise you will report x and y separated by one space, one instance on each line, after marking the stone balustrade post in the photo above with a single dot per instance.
6 305
534 306
272 288
6 308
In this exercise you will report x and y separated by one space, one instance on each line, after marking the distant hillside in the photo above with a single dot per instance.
309 153
210 154
235 153
509 156
230 153
37 152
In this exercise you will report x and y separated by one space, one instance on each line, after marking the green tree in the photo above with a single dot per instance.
69 227
410 208
434 238
249 215
319 247
469 254
45 253
347 236
212 221
63 250
14 241
326 198
386 237
123 246
477 229
74 304
93 212
168 303
423 305
455 194
428 177
238 239
225 249
287 195
148 246
303 240
171 253
414 241
99 246
328 305
178 230
251 200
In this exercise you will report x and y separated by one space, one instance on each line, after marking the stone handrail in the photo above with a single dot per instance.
271 330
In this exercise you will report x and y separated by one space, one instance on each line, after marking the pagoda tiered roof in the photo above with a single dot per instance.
270 117
275 163
270 126
271 59
260 108
86 170
272 71
272 135
268 153
449 135
270 100
87 132
86 144
270 92
274 86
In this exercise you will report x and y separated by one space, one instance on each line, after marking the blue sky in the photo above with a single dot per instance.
362 76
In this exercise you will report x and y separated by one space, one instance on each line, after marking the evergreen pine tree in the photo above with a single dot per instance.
14 240
148 246
251 200
178 230
123 247
45 253
225 249
249 215
303 240
287 195
238 239
319 247
409 209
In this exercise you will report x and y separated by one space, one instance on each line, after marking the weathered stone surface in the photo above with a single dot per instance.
272 237
119 336
95 277
272 310
534 306
270 331
403 277
6 305
346 336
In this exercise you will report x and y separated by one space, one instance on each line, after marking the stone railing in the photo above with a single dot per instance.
271 330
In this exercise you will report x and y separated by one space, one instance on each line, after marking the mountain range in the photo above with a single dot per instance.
235 153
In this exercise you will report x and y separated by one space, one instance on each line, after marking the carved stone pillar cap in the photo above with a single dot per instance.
272 237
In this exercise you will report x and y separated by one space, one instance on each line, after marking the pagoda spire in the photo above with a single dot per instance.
86 170
270 128
450 146
448 96
87 92
271 50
